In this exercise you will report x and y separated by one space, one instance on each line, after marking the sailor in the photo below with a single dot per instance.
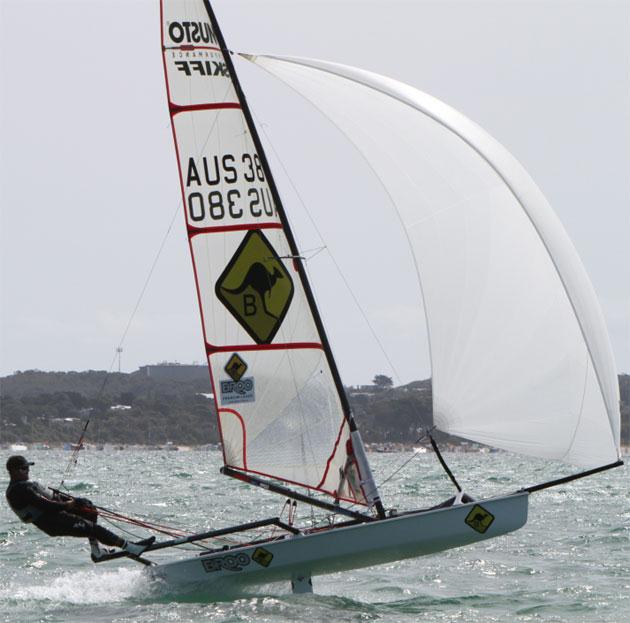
58 514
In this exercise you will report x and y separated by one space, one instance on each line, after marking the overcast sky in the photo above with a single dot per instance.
89 180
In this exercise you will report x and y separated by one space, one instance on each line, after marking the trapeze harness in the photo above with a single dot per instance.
33 504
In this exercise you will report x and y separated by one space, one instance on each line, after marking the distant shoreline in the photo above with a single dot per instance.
378 448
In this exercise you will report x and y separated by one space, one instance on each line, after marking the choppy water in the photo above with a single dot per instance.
571 562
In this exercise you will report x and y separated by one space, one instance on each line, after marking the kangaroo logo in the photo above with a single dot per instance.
479 519
259 280
256 288
235 367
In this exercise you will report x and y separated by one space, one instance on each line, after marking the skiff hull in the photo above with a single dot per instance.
297 558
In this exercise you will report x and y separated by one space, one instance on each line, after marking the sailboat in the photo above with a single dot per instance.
520 356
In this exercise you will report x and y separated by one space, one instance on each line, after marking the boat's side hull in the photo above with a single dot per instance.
355 546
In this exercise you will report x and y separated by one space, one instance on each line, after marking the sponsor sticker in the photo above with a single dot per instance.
191 32
233 392
262 556
235 367
231 562
479 519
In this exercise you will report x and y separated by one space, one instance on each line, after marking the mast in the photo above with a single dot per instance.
371 489
283 218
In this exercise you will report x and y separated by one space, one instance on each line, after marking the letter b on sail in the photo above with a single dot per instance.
256 288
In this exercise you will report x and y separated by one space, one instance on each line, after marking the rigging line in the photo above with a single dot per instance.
274 529
143 524
115 520
214 123
334 261
156 527
75 454
414 454
150 274
119 528
314 252
113 515
305 256
74 457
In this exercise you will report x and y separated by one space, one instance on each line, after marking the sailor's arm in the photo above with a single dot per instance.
32 494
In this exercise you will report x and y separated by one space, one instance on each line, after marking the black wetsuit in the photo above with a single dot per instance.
33 504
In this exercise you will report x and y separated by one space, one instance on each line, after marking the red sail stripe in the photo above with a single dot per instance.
194 231
332 454
240 419
189 47
300 484
176 108
212 350
214 395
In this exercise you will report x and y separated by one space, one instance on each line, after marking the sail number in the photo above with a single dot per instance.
234 203
217 205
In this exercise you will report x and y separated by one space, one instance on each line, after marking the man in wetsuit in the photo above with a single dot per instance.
60 515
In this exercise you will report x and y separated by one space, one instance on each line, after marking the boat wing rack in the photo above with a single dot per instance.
274 521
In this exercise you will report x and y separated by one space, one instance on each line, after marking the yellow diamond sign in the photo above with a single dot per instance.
235 367
262 556
479 518
256 288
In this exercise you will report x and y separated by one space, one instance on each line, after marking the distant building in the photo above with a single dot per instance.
175 372
363 389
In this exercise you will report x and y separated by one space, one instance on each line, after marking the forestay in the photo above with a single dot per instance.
280 413
520 354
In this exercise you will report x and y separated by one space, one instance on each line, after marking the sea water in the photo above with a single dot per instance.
570 563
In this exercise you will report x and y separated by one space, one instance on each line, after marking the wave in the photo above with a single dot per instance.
83 587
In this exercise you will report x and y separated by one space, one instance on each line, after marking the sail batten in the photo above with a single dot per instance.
520 354
281 408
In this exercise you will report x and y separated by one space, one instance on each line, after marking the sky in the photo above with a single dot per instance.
90 192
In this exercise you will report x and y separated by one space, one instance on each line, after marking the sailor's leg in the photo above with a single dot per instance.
301 583
107 537
95 548
68 524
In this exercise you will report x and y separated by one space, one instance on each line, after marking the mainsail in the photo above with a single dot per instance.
520 354
281 407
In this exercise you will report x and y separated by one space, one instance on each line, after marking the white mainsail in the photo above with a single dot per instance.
520 355
280 407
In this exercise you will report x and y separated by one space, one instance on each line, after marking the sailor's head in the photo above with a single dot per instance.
18 465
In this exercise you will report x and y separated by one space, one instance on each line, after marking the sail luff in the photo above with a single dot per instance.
361 457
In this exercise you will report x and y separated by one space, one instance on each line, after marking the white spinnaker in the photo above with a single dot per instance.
280 415
520 355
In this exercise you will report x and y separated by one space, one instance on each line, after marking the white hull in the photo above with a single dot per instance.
351 547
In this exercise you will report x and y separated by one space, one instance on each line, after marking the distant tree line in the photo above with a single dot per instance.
135 409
